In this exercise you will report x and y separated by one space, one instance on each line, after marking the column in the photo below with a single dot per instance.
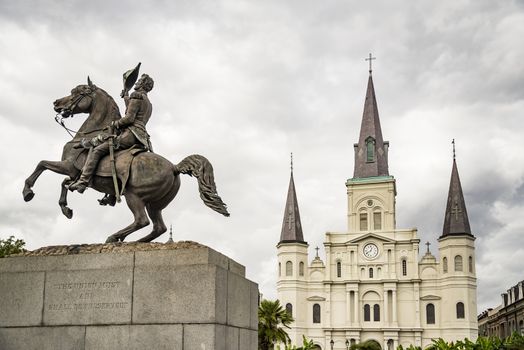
356 308
386 308
348 307
394 291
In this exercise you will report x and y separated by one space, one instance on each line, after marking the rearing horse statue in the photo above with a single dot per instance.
152 182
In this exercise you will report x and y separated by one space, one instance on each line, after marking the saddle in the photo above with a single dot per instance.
123 161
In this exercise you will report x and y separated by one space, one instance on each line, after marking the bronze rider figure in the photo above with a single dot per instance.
132 129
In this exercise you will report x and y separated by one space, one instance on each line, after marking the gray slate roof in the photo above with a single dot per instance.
291 225
456 220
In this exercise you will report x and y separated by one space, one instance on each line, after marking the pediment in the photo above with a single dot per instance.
371 235
430 297
316 298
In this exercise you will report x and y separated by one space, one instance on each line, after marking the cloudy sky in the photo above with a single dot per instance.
246 83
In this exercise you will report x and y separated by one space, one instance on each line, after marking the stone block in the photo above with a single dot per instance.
238 305
178 257
88 297
232 338
42 338
66 262
254 305
204 337
248 339
21 298
134 337
180 294
237 268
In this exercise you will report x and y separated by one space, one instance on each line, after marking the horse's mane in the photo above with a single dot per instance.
113 107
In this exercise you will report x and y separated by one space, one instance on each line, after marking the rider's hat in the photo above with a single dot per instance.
131 76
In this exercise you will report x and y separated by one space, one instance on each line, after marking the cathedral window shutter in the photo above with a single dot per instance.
367 313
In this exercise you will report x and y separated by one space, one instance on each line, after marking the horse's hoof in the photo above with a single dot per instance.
111 239
67 212
28 195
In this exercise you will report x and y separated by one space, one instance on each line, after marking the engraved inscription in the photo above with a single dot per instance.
83 296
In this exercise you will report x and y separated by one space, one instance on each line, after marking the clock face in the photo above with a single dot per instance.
370 251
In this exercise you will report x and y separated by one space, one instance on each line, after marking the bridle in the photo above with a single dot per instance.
68 112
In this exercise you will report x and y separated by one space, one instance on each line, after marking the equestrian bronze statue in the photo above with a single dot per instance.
113 155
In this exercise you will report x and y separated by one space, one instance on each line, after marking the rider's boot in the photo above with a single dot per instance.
108 199
89 168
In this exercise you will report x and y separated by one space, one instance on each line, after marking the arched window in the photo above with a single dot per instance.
470 263
404 267
316 313
370 149
363 221
289 309
430 314
445 264
377 220
367 312
301 269
370 272
279 269
376 313
458 263
460 310
339 269
289 268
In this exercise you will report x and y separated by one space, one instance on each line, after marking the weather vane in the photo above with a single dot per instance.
370 59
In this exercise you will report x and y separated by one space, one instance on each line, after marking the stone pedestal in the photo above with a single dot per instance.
131 296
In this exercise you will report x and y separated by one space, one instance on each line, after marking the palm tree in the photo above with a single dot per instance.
271 316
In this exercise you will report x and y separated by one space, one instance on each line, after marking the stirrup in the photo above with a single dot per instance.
108 199
79 186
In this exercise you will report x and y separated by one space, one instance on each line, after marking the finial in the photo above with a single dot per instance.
370 59
453 142
291 162
428 244
317 248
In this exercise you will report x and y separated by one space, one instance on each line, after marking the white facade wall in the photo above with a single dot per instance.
400 293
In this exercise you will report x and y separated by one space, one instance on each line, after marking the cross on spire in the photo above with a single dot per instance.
370 59
453 142
291 162
456 210
428 244
317 248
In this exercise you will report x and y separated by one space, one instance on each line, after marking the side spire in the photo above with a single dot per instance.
291 225
371 151
456 220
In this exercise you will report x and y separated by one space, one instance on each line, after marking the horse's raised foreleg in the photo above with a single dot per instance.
158 225
61 167
137 207
63 198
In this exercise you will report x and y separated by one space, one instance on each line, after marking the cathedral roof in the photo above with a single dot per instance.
291 225
371 157
456 220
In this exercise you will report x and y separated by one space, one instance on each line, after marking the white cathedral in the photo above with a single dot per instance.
373 285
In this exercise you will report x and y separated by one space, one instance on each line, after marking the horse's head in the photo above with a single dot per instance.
80 100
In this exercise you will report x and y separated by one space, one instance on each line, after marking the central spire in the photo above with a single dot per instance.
371 151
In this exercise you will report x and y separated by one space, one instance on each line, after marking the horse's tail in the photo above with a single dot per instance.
199 167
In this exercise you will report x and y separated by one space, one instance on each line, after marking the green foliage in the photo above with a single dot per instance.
271 316
367 345
513 342
11 246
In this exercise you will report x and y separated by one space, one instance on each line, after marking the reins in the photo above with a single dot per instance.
59 119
